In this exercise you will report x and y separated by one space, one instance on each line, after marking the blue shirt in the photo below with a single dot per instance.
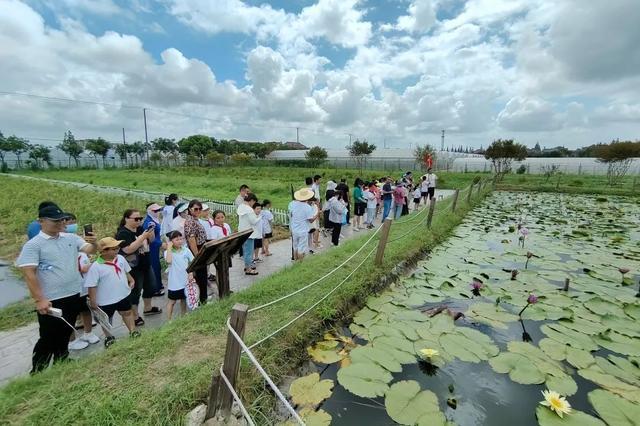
33 229
145 225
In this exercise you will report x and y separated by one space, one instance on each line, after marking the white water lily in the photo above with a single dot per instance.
556 403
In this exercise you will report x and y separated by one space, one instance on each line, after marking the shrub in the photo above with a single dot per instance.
522 169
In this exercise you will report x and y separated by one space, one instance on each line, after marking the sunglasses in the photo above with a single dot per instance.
196 209
62 219
137 219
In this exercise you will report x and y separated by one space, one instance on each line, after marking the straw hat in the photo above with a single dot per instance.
108 242
304 194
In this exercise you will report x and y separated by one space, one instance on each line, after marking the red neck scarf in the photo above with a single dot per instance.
224 229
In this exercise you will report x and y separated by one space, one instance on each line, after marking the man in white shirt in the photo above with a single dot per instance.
244 190
431 178
301 214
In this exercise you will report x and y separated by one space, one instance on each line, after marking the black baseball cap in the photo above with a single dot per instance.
52 212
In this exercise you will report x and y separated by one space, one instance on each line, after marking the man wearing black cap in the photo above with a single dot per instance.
49 263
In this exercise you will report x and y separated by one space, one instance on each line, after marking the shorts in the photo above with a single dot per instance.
424 193
176 294
432 192
416 200
268 235
312 230
360 208
84 306
123 305
257 243
300 242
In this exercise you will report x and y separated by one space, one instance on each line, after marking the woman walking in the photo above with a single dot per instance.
360 204
135 249
247 219
337 207
153 217
196 236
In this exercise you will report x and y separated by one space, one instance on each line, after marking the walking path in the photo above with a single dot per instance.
16 345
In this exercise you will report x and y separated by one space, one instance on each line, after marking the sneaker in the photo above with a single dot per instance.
356 229
77 345
90 338
108 341
139 322
134 334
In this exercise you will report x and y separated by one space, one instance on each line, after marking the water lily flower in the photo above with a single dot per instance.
532 299
523 235
429 353
529 256
623 271
514 274
476 286
556 403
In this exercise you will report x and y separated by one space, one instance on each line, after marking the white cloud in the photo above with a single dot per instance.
528 115
421 17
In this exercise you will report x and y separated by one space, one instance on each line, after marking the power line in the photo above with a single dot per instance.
55 98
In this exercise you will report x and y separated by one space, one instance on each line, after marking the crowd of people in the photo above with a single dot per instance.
70 276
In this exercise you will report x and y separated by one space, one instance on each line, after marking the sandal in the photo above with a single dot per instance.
250 272
153 311
138 322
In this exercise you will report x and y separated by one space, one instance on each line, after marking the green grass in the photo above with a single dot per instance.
157 378
222 183
576 184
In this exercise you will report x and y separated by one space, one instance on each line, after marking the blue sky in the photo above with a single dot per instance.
563 73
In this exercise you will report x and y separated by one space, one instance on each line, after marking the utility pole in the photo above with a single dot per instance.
350 135
442 142
124 140
297 134
146 137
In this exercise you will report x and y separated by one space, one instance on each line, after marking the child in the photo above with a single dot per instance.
267 230
110 284
417 194
256 235
370 196
313 241
178 258
220 228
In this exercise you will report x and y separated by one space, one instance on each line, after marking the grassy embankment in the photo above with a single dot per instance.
572 184
157 378
19 207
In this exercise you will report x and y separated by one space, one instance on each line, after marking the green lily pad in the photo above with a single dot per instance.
562 334
611 383
546 417
619 343
613 409
490 314
559 352
520 369
364 379
408 405
315 418
601 307
310 390
377 356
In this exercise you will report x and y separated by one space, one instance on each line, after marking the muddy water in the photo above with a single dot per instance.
12 288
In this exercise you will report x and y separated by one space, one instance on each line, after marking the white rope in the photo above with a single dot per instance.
257 308
314 305
245 413
264 374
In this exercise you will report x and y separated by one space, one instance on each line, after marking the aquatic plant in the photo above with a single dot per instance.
556 403
531 300
476 286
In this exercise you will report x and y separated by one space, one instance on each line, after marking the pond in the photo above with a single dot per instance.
451 344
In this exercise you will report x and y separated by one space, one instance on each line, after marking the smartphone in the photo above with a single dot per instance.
88 229
55 312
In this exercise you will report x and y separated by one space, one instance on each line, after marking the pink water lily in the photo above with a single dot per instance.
529 256
514 274
476 286
623 271
531 300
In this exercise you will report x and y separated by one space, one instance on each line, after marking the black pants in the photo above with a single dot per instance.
145 283
335 232
55 333
201 279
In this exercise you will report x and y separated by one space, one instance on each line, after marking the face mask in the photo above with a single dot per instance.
72 228
153 214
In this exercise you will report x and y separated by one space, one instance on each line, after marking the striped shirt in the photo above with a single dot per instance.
56 262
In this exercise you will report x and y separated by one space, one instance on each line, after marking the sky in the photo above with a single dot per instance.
396 73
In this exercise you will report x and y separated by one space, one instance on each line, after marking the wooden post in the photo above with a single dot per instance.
222 275
469 194
384 236
219 396
432 207
566 284
455 200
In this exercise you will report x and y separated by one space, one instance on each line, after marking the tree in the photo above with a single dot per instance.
214 158
502 153
241 158
122 150
4 148
40 154
197 146
316 156
618 156
71 147
138 149
18 146
98 148
360 151
425 155
164 146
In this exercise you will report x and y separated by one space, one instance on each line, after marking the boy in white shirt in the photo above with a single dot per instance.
267 230
110 284
178 258
417 193
369 195
431 178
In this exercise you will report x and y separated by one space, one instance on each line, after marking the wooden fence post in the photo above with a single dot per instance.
432 207
469 194
384 236
220 398
455 200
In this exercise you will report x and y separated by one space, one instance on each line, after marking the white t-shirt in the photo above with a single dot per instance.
267 218
207 225
110 282
316 190
371 199
300 213
417 193
83 260
257 228
178 224
217 232
177 274
167 218
432 178
424 185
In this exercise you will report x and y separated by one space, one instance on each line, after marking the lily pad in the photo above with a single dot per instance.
310 390
364 379
520 369
546 417
490 314
376 356
408 405
324 356
315 418
613 409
